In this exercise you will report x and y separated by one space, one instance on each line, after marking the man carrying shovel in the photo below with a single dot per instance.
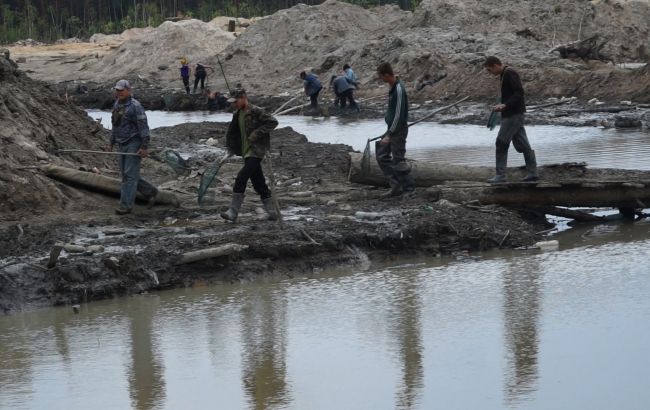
391 149
131 134
249 135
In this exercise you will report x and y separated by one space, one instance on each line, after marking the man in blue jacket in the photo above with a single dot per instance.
131 134
344 91
391 149
312 87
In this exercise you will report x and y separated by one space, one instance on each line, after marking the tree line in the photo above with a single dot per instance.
49 20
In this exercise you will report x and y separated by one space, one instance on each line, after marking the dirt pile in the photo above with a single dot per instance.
624 23
34 123
453 37
270 54
155 53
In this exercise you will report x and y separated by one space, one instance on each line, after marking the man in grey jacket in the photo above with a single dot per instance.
131 134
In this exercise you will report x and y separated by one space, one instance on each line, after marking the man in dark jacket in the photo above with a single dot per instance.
131 133
512 109
249 135
391 149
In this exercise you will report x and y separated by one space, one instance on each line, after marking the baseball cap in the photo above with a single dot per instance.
240 92
122 85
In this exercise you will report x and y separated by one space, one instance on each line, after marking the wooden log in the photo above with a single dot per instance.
100 183
203 254
54 255
587 49
427 174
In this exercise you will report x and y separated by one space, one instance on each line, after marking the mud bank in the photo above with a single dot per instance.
327 222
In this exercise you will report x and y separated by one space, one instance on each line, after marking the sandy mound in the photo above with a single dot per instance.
143 53
269 55
34 123
447 35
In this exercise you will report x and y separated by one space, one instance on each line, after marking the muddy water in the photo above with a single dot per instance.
459 144
559 330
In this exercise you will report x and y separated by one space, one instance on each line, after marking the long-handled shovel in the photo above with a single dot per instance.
365 159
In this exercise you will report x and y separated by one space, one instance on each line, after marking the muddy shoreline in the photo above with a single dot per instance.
328 222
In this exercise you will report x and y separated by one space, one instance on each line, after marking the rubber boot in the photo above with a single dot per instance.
395 188
271 214
531 166
233 210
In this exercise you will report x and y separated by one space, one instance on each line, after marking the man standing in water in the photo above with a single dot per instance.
512 109
249 135
312 88
391 149
131 133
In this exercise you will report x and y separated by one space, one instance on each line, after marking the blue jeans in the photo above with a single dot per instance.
130 172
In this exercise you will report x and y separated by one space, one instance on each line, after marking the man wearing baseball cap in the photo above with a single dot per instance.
131 134
249 135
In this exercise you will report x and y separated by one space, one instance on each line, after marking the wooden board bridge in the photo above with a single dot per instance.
571 185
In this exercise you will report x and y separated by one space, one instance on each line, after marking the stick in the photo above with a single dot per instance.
224 74
86 151
285 104
274 197
292 109
371 98
431 114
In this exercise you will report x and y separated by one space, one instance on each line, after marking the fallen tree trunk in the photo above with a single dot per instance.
428 174
100 183
587 49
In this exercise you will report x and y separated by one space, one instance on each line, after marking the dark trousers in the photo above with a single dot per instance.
252 170
201 78
392 162
349 96
186 83
512 130
314 98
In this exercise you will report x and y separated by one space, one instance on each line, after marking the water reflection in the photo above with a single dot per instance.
264 350
407 330
521 289
463 335
146 372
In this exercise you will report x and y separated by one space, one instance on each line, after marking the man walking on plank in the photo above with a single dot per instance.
512 109
391 149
